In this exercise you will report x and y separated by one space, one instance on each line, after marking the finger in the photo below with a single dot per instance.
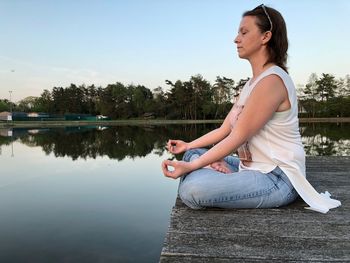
174 144
169 163
171 146
215 166
165 170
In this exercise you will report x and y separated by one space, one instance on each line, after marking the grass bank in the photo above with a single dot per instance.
24 124
32 124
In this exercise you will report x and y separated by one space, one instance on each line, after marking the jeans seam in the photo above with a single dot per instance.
281 178
245 196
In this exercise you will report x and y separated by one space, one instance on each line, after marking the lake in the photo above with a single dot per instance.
97 194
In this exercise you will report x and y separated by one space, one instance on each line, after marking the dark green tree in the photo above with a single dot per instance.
45 102
60 100
222 95
4 105
326 86
160 102
141 99
203 95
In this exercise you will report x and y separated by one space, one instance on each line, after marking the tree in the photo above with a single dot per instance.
45 102
91 99
59 99
202 96
4 105
344 87
28 104
310 95
326 86
222 95
347 86
122 98
178 98
74 96
106 103
160 102
310 90
141 98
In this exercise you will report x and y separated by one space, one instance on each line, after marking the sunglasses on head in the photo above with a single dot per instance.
267 14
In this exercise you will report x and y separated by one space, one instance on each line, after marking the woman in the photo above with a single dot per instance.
262 127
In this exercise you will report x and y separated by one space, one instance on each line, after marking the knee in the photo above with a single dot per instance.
190 154
190 194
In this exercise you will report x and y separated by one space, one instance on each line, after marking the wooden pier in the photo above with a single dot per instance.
287 234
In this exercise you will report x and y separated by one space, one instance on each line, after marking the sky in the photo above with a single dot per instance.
49 43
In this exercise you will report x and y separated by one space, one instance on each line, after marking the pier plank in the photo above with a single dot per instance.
286 234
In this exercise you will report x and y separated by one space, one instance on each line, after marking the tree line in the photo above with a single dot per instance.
193 99
325 96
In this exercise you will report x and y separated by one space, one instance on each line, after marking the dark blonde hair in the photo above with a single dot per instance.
277 47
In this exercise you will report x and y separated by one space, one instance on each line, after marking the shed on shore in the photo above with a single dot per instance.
5 116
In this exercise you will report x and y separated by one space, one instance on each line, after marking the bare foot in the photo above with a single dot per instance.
220 166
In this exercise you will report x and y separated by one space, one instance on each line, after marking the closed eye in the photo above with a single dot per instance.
242 31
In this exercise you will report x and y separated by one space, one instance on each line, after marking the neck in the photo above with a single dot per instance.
257 64
258 68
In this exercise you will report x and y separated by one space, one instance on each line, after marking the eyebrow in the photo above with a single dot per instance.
242 28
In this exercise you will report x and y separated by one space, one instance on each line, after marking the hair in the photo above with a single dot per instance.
277 46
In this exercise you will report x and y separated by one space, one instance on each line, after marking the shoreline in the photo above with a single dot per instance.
27 124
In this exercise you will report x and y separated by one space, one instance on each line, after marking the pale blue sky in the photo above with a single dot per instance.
47 43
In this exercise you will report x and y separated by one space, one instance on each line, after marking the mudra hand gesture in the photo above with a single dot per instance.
175 169
179 168
177 146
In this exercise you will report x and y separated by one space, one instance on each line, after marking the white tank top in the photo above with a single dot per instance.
279 143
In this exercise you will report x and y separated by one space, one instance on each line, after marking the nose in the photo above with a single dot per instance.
236 40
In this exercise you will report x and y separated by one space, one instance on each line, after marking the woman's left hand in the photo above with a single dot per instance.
179 168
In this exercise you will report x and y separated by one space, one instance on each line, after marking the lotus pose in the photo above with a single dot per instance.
263 128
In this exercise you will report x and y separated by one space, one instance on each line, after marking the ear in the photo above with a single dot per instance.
266 37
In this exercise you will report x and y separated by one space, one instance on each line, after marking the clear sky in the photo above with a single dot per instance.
47 43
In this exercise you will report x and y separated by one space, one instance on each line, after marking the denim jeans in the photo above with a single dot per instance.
206 187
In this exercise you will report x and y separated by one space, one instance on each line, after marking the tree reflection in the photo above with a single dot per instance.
326 138
115 142
138 141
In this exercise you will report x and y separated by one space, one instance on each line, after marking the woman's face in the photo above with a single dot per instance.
249 40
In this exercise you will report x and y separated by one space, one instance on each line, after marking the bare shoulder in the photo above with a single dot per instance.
272 82
272 90
271 85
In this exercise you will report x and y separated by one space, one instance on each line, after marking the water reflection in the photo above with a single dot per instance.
138 141
75 208
91 141
326 139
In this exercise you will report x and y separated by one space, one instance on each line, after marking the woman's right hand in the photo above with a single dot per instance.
177 146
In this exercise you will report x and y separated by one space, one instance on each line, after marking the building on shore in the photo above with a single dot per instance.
5 116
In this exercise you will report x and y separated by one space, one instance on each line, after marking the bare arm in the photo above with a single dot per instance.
263 102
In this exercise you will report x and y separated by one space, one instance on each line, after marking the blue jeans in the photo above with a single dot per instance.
206 187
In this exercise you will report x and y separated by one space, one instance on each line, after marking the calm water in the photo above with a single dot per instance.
96 194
